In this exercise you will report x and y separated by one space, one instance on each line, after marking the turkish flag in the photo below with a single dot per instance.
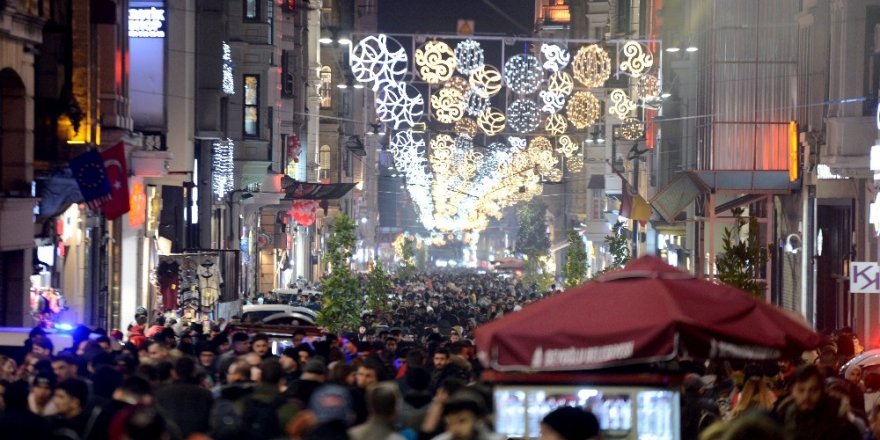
117 174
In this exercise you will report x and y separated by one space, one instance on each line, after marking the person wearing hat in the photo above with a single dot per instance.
40 398
241 345
331 406
569 423
290 364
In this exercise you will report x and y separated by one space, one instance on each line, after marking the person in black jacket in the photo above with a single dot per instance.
697 411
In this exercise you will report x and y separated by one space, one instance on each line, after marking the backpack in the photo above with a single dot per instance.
261 418
226 422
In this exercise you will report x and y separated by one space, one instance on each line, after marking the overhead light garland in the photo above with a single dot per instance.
575 164
466 126
492 121
475 104
400 104
523 115
435 62
560 83
556 57
583 109
223 167
630 130
556 124
523 73
228 78
621 106
648 87
567 146
448 104
378 59
469 56
486 81
638 60
458 83
552 102
591 66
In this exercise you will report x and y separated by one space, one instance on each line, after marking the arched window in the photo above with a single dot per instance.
326 87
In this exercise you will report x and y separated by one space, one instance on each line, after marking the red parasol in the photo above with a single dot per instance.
647 312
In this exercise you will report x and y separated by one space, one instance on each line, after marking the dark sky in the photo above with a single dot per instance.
441 16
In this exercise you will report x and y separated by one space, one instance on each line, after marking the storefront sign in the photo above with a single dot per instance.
146 23
137 217
864 277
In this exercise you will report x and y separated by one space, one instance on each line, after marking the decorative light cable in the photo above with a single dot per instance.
583 109
223 167
448 104
591 66
523 73
486 81
621 106
399 103
492 121
638 60
523 115
378 59
475 104
435 62
228 78
556 57
470 56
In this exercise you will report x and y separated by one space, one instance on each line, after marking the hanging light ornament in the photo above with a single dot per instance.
575 164
486 81
638 60
540 143
556 124
621 106
583 109
523 115
552 174
458 83
475 104
591 66
435 62
378 59
466 127
552 102
448 104
567 146
224 166
399 103
492 121
630 130
523 74
648 88
560 83
556 57
469 56
517 142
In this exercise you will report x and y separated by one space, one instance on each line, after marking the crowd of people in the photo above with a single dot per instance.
406 374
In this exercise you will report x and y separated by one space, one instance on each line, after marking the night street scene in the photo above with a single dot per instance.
447 219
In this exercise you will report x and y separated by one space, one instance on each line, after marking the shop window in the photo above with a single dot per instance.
251 105
251 10
324 161
326 87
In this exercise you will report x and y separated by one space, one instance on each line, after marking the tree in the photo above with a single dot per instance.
407 267
575 260
741 262
377 289
532 238
341 288
618 246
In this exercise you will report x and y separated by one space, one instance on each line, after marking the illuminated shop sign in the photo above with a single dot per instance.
146 23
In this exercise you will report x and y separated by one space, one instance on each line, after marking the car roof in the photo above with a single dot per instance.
279 308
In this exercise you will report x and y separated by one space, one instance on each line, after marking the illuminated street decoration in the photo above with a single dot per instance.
459 83
630 130
567 146
582 109
448 104
523 73
556 57
222 167
556 124
146 22
228 78
435 62
621 106
638 60
560 83
475 104
400 104
523 116
517 142
466 126
552 102
492 121
378 59
591 66
469 56
575 164
486 81
648 87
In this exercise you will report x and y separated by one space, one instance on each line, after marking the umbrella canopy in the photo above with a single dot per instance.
647 312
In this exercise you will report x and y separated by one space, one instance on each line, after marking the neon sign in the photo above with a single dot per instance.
146 23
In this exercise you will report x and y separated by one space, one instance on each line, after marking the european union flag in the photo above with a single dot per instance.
91 176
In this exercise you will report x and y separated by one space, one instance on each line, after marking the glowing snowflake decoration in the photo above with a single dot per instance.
621 106
523 73
583 109
486 81
448 104
435 62
591 66
476 104
377 60
556 57
638 60
400 104
492 121
552 102
567 146
556 124
470 56
523 116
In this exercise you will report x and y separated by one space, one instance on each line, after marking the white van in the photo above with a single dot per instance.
277 314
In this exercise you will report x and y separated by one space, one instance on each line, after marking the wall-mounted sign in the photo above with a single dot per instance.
864 277
146 23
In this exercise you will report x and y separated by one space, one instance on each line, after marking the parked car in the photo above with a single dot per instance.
277 314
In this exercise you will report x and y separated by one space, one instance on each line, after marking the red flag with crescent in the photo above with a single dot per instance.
117 174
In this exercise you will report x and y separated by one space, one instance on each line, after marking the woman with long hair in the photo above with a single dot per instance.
756 395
